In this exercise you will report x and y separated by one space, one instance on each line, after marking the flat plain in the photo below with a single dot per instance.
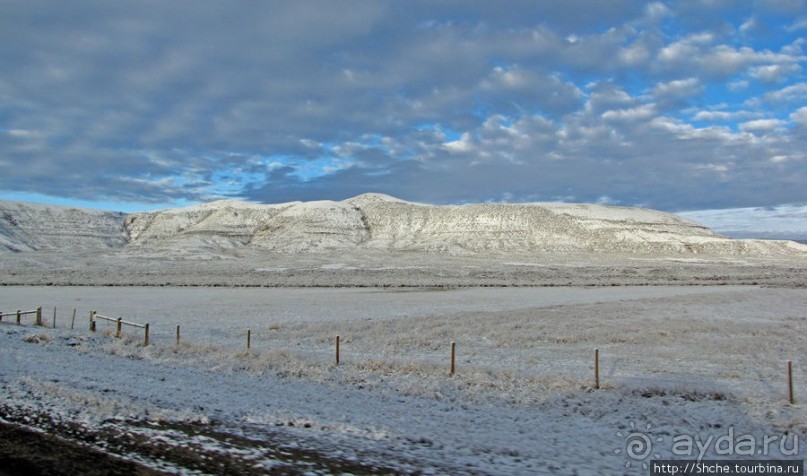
674 360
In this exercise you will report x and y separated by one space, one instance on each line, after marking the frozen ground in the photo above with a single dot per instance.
247 267
676 362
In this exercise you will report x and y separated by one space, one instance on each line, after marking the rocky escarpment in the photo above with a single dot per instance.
546 228
225 224
375 222
32 226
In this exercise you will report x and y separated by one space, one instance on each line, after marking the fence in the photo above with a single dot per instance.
452 361
19 314
94 316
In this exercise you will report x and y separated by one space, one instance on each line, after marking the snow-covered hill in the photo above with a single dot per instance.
383 223
33 226
374 222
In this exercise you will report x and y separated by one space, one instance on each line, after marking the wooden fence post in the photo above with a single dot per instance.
120 324
337 350
790 381
73 321
19 316
54 317
146 339
453 356
92 321
177 336
39 316
596 368
249 339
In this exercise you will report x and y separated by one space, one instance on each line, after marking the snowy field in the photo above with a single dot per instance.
694 362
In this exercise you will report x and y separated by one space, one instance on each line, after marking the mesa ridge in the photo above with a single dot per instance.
378 241
374 222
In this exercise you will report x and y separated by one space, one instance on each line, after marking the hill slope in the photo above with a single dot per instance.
383 223
33 226
373 222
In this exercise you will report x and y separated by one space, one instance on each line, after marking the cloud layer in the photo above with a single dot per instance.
675 105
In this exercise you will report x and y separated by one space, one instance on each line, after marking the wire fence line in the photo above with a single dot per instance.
340 351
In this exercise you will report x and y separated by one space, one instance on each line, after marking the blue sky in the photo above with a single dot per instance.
684 105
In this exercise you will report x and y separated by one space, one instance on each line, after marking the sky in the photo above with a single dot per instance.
680 105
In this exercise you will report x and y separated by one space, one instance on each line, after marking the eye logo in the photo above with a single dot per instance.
637 445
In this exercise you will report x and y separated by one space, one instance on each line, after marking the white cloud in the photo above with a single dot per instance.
684 50
462 145
798 24
774 73
749 25
505 86
499 124
608 96
739 85
800 116
22 133
636 54
793 93
638 113
671 125
762 125
724 59
723 116
698 53
720 169
513 78
794 49
685 131
656 11
713 116
677 89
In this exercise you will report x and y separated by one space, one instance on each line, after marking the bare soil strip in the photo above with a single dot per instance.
34 444
27 452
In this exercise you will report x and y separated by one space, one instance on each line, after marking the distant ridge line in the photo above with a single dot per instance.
374 222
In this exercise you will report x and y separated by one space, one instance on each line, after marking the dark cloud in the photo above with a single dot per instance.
446 101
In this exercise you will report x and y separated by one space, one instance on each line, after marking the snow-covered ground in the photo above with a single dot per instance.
676 362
